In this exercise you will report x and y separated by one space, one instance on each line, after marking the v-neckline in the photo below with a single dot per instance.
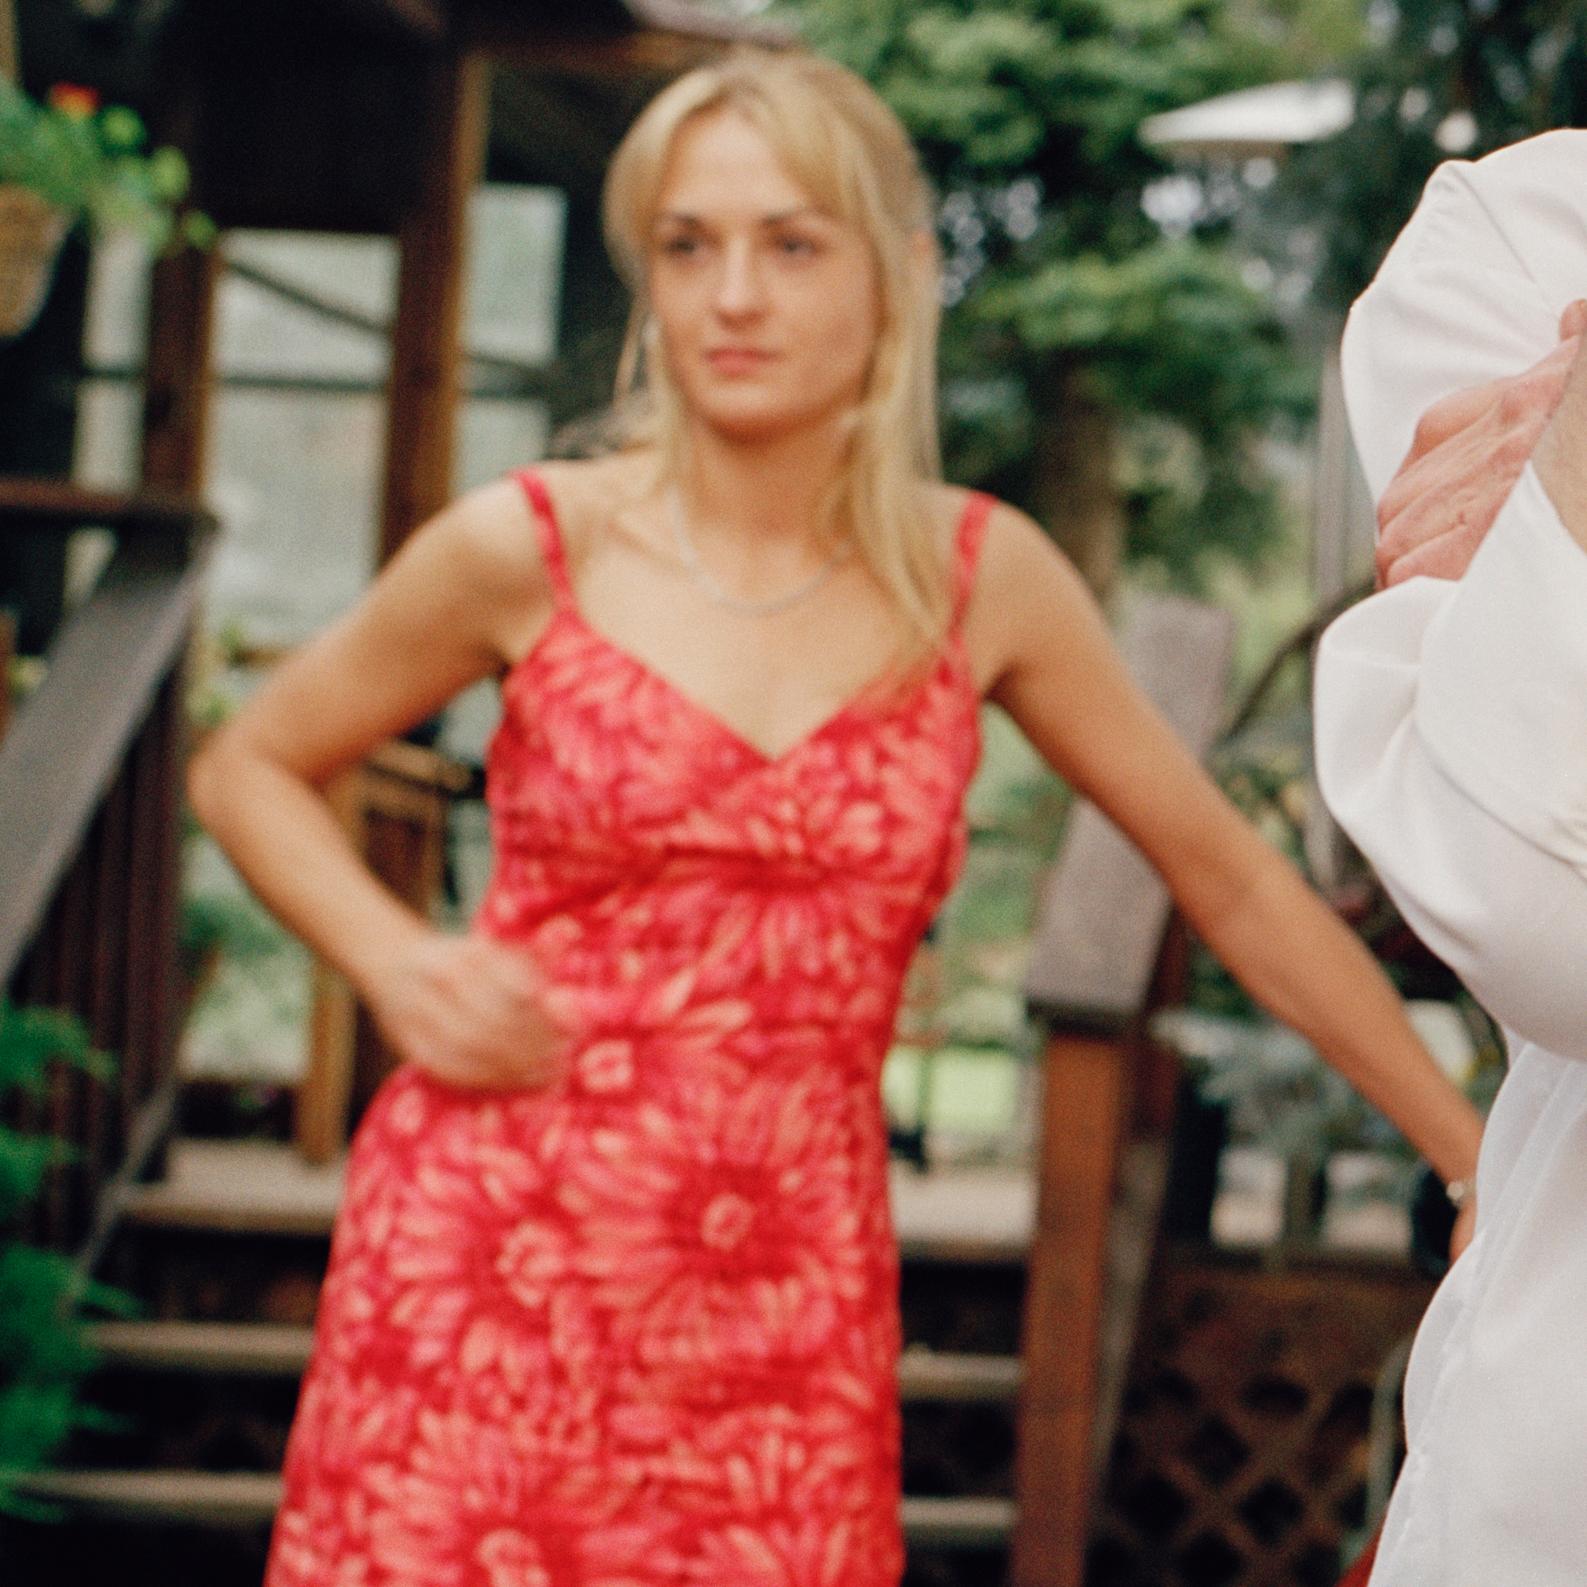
568 611
566 608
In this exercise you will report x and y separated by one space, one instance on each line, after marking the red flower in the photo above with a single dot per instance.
72 99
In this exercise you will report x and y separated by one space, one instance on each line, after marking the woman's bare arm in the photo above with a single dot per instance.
446 612
1064 684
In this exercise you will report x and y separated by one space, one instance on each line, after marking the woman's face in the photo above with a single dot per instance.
767 305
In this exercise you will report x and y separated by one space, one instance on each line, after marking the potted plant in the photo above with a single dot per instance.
67 160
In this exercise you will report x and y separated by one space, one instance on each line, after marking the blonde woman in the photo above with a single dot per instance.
613 1295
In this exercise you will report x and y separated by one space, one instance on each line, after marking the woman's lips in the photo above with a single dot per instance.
737 360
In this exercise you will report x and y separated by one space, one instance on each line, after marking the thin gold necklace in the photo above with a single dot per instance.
707 580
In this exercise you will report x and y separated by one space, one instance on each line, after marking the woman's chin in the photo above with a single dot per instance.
762 424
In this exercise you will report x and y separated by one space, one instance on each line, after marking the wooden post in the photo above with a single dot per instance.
426 358
394 807
422 401
1096 958
319 1119
1083 1113
178 377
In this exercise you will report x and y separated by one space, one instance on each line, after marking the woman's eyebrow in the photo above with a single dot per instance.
803 212
681 217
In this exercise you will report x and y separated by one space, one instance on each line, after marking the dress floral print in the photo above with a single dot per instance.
639 1328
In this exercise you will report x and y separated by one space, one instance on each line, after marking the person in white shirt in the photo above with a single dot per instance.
1452 746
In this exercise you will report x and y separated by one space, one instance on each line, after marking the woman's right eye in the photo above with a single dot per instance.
680 247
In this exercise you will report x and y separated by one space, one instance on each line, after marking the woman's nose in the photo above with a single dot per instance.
739 289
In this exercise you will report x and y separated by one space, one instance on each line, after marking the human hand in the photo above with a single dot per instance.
1468 452
470 1011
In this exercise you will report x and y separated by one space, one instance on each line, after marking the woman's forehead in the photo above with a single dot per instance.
722 161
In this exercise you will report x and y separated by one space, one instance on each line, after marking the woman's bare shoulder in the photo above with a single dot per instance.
1026 591
1014 546
587 493
486 537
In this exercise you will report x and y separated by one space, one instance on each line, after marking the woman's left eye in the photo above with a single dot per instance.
796 246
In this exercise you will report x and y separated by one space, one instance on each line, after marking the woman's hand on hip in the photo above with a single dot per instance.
1469 450
470 1011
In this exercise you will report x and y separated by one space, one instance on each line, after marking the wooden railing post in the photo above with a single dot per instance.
1085 1097
395 808
1097 955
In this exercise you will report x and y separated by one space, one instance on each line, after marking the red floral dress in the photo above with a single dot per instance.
640 1328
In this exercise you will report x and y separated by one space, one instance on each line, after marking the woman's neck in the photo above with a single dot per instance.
766 492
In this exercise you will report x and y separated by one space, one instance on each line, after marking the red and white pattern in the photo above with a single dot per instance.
640 1328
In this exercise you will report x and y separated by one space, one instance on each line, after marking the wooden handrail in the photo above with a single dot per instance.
58 504
90 802
104 669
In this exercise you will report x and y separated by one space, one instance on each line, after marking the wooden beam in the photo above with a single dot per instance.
50 503
426 365
657 56
1083 1112
178 379
179 339
607 36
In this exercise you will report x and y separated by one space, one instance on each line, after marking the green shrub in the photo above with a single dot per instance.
45 1353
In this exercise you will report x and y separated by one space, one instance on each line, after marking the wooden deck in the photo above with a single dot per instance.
968 1213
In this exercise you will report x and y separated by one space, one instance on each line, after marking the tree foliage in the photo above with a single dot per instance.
1060 284
1434 79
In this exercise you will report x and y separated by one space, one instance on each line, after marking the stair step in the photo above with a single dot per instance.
254 1349
280 1350
959 1523
960 1214
251 1499
231 1498
939 1375
241 1187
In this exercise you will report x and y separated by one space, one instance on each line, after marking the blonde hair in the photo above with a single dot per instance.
840 142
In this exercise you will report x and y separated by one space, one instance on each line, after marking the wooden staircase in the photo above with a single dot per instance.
1019 1294
228 1251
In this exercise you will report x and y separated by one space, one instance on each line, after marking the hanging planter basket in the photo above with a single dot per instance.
31 232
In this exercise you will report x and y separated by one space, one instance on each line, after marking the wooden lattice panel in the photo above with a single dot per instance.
1241 1453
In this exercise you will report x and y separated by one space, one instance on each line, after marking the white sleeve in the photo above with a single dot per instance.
1452 716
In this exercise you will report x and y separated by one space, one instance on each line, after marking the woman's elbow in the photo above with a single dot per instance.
205 779
216 773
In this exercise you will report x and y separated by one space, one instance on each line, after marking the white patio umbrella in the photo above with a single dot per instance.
1255 122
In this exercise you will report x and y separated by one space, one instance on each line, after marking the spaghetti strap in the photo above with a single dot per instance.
967 550
549 530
